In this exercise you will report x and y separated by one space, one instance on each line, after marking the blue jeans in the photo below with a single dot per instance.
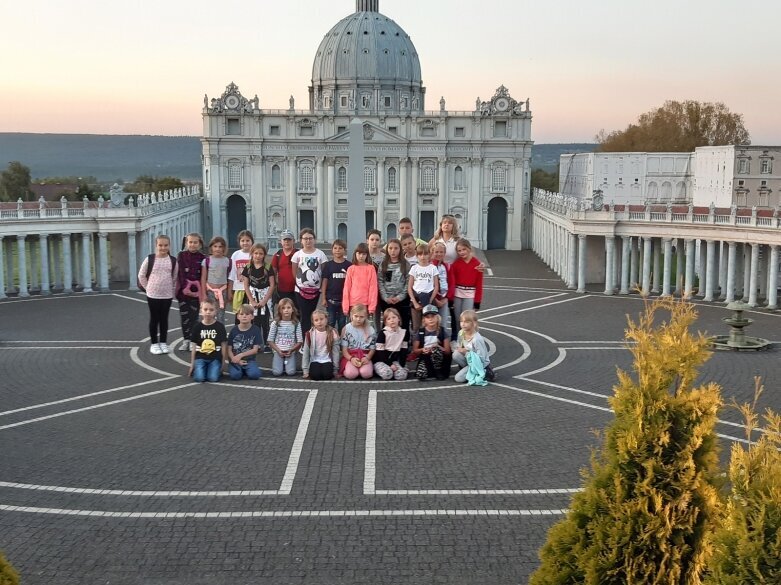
336 318
207 370
251 370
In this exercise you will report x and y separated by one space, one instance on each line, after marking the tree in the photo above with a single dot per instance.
677 127
15 182
650 502
149 184
542 179
8 576
748 545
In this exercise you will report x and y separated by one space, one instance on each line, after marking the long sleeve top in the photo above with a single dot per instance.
388 356
393 282
316 350
466 281
477 344
161 283
360 287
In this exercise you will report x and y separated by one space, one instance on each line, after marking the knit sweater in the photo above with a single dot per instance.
360 287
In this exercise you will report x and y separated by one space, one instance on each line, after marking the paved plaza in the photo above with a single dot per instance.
115 468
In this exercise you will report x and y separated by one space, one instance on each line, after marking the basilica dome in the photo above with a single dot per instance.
366 62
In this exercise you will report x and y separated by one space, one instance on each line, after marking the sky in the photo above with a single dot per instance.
142 66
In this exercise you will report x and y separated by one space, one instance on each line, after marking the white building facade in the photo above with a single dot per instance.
266 170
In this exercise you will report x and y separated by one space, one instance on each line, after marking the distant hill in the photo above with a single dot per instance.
112 157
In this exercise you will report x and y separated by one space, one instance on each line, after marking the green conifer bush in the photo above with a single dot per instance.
748 544
8 576
650 500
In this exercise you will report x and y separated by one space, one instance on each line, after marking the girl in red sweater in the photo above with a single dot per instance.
360 284
465 286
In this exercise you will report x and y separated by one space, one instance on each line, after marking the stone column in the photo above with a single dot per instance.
657 251
723 260
476 198
679 264
76 245
86 263
626 254
292 187
752 291
646 265
102 262
21 252
731 269
33 272
633 262
762 273
414 197
573 262
667 244
2 271
610 250
747 268
43 240
320 174
403 188
7 256
330 202
442 195
581 263
67 264
132 260
690 251
380 219
710 270
772 278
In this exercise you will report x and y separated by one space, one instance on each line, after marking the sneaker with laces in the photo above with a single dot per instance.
155 349
164 348
185 346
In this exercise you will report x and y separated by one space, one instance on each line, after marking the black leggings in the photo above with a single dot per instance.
305 309
188 311
158 318
402 307
318 371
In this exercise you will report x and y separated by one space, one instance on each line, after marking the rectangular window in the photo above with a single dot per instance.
500 129
393 129
233 127
343 101
342 201
427 132
387 101
340 129
743 166
460 132
741 183
765 166
274 131
763 184
307 130
393 202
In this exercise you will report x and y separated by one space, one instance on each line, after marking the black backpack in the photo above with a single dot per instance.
150 262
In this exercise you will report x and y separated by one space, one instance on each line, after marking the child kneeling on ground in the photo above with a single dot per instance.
470 340
285 339
209 341
358 345
321 349
432 347
392 348
244 343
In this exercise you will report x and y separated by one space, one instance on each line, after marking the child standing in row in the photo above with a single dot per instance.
438 260
188 285
374 241
358 345
157 276
392 348
285 338
393 278
308 268
409 247
239 260
321 349
432 347
209 341
466 286
214 276
360 285
258 283
470 340
423 284
332 287
244 341
282 265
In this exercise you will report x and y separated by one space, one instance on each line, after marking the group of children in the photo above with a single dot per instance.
345 318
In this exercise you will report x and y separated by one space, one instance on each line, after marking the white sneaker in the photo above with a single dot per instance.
185 346
156 349
164 348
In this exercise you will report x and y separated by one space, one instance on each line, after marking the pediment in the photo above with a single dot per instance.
371 134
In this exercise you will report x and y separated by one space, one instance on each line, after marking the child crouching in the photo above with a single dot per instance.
321 349
358 345
392 348
470 340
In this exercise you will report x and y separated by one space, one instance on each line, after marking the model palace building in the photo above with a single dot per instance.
266 170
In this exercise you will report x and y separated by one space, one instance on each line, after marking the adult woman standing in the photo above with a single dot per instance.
448 234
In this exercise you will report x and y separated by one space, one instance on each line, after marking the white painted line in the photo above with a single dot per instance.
557 398
489 271
492 321
74 347
298 445
67 412
483 492
138 493
623 342
526 349
130 298
137 360
284 513
233 384
526 302
521 278
550 366
569 300
83 396
616 348
369 464
59 343
560 387
422 387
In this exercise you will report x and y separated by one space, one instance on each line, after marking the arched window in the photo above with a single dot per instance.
653 191
428 180
681 190
667 191
392 183
499 179
369 177
234 174
390 231
276 177
341 179
306 178
458 178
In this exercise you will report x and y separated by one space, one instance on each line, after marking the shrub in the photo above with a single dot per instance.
8 576
650 500
748 545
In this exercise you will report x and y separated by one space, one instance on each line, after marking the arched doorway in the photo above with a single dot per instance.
390 233
341 231
497 224
236 209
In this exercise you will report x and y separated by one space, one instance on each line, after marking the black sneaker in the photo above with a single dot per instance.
490 375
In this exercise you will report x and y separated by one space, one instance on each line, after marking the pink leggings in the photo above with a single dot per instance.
366 371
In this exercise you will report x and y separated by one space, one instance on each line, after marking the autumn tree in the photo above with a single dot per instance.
677 127
15 182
